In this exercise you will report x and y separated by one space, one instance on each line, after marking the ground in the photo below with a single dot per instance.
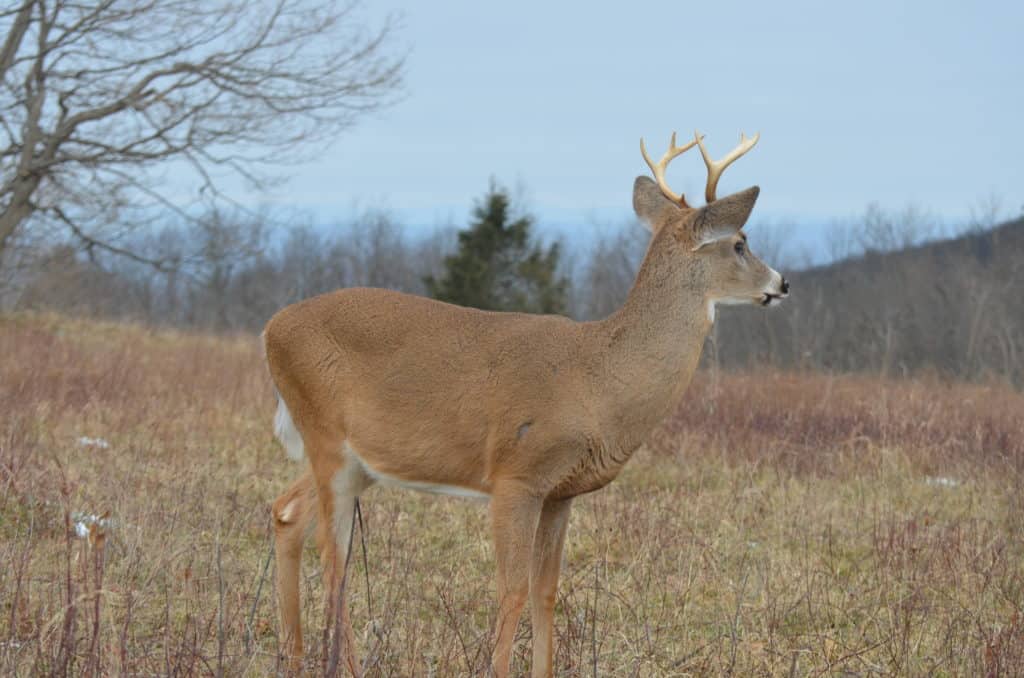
777 524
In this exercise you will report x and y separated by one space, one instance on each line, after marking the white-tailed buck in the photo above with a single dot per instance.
526 411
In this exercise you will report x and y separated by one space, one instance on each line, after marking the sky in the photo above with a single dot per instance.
898 103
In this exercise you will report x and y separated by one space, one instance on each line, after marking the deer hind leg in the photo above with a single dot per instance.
340 479
514 517
294 515
547 560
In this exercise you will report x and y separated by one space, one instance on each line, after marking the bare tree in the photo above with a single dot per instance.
376 253
985 213
609 271
842 240
99 99
224 245
768 240
887 231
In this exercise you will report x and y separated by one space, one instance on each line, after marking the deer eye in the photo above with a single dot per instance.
739 247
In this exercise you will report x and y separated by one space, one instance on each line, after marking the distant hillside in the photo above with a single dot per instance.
955 307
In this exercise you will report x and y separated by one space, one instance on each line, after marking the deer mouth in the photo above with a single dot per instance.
775 297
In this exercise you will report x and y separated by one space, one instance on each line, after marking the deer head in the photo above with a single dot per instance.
709 240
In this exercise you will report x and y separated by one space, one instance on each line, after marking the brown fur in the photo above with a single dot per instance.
530 410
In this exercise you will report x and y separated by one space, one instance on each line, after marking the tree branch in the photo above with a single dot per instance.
114 89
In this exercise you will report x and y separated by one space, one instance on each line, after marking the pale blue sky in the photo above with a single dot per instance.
900 103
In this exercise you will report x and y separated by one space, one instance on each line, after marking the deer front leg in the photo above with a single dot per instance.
514 517
294 515
547 560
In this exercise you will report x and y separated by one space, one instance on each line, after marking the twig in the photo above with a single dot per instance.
98 546
734 630
334 653
259 591
366 564
593 620
220 613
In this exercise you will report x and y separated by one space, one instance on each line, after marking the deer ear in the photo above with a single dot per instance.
724 217
650 203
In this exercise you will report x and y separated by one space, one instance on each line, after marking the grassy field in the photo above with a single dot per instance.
778 524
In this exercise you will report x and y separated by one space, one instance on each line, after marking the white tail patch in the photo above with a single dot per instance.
284 429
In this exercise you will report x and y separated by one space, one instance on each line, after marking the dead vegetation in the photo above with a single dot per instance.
779 524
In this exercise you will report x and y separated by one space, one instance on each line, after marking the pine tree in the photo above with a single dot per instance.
499 267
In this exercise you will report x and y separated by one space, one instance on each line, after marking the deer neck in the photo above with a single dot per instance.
653 345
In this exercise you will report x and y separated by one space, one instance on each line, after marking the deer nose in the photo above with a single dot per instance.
785 286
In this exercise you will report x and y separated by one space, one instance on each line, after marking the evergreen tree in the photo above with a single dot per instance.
499 267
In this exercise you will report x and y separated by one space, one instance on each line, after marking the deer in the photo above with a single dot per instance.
524 411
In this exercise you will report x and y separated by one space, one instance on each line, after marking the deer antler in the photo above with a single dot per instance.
715 168
659 169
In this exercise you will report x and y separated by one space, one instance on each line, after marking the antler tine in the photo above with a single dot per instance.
659 168
715 168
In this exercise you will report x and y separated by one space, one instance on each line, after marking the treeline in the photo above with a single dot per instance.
231 272
227 273
894 303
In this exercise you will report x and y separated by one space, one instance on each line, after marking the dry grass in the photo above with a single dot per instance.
778 525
